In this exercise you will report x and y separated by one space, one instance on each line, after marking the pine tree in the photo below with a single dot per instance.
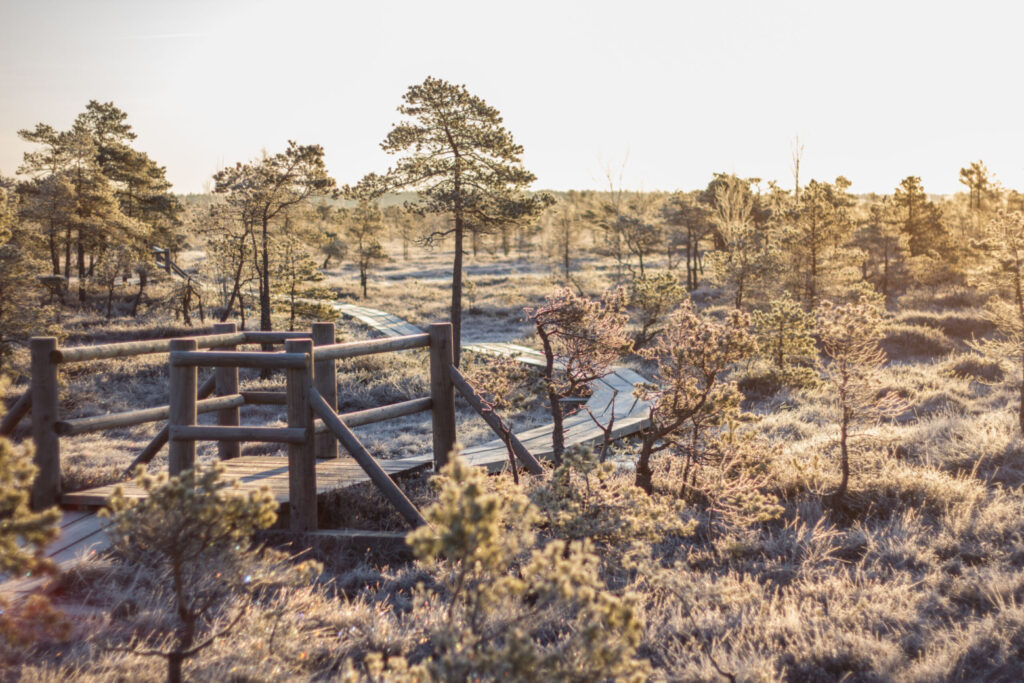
820 223
261 191
364 229
580 338
885 249
851 335
921 219
688 223
785 336
195 534
463 162
1003 277
743 252
691 354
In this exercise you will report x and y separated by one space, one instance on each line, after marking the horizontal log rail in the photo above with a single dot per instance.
17 411
239 359
243 433
524 456
373 470
135 417
265 398
160 440
138 348
269 337
358 418
370 346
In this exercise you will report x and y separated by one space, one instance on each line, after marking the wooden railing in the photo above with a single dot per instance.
308 360
314 427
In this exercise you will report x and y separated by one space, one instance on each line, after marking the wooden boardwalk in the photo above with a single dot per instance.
83 532
612 397
253 472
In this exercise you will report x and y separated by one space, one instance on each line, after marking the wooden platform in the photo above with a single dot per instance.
82 531
254 472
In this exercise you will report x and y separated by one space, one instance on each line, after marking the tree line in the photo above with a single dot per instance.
276 221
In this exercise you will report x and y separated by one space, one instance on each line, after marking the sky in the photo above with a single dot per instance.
656 95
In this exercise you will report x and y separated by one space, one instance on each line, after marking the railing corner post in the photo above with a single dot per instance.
182 385
227 384
301 456
442 392
46 488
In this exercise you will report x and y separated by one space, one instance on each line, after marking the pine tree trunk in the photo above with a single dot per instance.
644 475
81 270
265 323
456 310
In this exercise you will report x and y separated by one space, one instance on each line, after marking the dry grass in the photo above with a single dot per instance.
917 578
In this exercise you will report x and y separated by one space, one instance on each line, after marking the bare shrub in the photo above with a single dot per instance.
851 335
580 337
691 354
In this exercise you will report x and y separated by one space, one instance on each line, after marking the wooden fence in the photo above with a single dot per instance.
314 428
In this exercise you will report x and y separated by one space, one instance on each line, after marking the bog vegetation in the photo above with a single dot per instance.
829 486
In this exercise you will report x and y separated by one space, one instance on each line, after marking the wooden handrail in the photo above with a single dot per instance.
473 398
79 354
373 470
271 337
369 346
239 359
128 418
241 433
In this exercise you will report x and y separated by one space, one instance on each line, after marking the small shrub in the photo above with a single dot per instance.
979 368
785 338
23 536
495 615
193 535
915 341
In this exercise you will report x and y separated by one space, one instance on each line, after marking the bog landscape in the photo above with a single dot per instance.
437 423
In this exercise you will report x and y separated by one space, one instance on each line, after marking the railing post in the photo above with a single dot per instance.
227 384
183 386
442 393
326 382
301 456
45 410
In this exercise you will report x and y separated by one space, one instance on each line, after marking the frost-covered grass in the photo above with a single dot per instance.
918 577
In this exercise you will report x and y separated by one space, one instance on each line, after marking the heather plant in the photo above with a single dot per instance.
691 355
192 532
732 480
497 591
23 536
785 336
851 334
581 338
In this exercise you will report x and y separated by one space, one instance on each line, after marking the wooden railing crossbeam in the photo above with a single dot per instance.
473 398
239 359
369 346
138 348
99 423
16 413
377 475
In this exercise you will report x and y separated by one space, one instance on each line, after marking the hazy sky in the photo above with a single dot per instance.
876 90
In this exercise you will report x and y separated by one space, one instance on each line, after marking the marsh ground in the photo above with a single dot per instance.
918 578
